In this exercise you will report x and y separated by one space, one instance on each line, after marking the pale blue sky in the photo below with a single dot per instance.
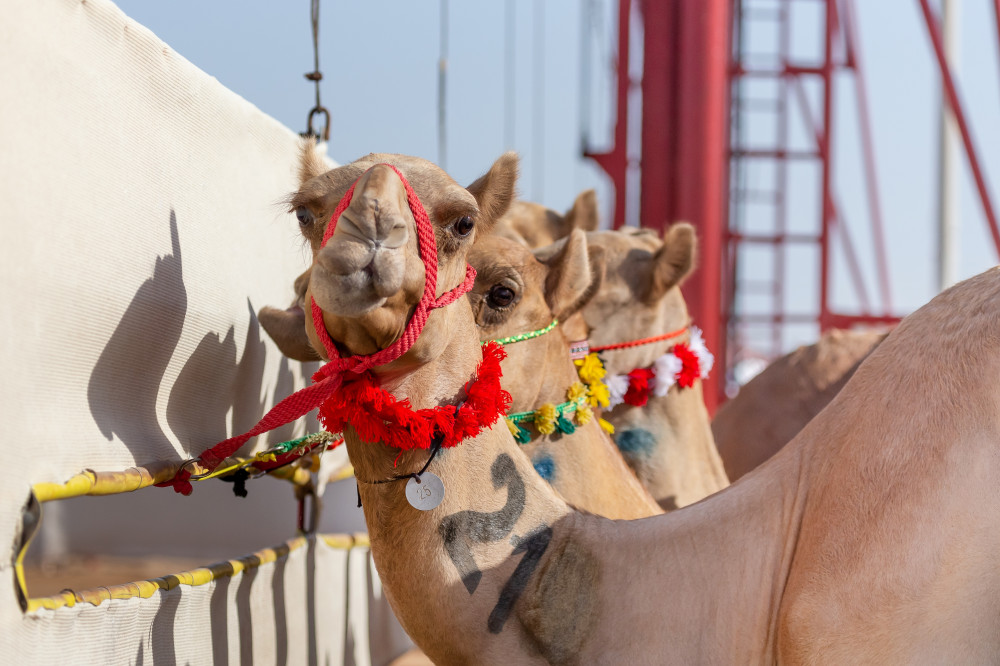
380 61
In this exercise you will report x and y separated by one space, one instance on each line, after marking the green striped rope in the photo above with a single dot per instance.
571 405
520 337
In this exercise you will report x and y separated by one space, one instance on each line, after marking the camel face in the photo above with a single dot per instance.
640 296
366 260
369 275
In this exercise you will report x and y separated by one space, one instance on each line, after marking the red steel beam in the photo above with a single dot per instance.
845 233
685 145
662 124
933 29
615 161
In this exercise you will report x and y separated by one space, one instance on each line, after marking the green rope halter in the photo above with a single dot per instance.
520 337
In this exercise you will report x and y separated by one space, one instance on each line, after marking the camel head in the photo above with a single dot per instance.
641 295
517 293
368 275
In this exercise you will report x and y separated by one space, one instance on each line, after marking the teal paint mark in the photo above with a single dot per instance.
545 466
636 442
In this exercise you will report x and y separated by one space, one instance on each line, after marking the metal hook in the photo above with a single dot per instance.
326 124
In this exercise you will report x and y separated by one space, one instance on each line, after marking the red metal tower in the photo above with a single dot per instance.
707 75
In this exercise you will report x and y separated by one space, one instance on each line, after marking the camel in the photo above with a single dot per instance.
668 441
776 404
515 293
533 225
851 545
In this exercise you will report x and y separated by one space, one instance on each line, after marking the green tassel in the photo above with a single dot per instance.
565 425
522 436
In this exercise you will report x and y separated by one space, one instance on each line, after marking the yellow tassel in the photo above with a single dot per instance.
591 369
584 414
598 395
266 457
576 390
511 427
545 418
608 428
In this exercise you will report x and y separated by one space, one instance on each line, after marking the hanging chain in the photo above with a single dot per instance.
316 76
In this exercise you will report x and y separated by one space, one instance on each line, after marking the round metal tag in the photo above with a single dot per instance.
426 493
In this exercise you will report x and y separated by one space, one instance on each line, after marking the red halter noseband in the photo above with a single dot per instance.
329 377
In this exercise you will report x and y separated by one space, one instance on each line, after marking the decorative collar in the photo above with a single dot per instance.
549 417
378 416
682 365
581 399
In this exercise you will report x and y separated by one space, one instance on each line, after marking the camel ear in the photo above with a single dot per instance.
674 261
288 330
311 163
288 327
573 277
494 191
583 214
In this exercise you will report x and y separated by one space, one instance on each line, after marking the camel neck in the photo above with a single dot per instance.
720 569
475 552
669 444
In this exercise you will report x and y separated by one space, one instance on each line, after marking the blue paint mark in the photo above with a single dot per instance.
545 466
636 442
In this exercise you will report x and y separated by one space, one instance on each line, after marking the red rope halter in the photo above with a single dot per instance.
330 377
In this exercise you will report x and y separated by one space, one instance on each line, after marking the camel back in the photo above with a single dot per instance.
142 230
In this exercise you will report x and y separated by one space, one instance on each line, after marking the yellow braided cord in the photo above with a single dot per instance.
194 577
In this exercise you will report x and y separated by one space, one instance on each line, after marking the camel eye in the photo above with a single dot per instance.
464 225
500 296
305 216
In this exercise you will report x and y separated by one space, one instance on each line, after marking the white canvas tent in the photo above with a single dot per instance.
141 231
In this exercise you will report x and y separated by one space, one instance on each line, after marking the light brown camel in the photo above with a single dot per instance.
776 404
534 225
516 293
851 545
668 441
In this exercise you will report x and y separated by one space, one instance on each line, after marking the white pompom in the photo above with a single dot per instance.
666 368
705 358
617 388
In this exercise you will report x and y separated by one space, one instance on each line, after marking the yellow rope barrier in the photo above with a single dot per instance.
144 589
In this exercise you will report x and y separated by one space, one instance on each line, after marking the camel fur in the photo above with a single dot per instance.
776 404
533 225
